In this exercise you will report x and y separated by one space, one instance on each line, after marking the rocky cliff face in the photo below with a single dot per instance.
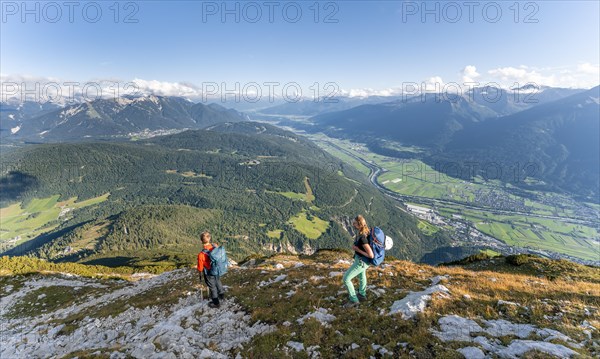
286 247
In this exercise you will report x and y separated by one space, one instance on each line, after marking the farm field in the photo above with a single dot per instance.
412 177
529 231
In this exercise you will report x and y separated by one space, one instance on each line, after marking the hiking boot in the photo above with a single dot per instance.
221 296
361 298
350 304
214 305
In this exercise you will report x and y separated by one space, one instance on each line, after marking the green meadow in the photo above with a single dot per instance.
308 196
38 216
311 228
275 234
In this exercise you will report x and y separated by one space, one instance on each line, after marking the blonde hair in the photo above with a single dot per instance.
205 237
362 225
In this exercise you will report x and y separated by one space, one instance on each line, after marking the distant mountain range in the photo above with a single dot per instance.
506 102
108 118
500 101
13 114
426 120
557 140
554 130
313 107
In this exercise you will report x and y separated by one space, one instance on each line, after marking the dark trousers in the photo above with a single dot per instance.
215 287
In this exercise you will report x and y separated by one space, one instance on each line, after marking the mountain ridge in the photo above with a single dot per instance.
106 118
558 137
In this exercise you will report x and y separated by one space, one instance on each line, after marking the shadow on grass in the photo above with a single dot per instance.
118 261
37 242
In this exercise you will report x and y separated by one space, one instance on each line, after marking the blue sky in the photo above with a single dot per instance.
373 44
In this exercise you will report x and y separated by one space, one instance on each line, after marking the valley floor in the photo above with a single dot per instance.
481 212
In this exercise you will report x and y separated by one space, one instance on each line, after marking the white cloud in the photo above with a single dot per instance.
41 89
366 92
163 88
469 74
521 76
584 75
587 68
28 87
432 84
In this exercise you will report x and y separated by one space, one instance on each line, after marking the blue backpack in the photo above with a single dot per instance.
218 261
377 243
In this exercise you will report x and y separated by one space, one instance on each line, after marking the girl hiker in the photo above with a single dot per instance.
362 251
212 281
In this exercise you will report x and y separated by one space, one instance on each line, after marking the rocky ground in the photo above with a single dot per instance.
291 306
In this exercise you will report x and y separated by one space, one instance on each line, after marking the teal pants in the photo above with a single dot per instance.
358 268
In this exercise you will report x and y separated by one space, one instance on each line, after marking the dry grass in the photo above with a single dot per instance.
561 304
556 304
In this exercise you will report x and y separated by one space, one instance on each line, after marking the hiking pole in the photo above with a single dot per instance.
201 287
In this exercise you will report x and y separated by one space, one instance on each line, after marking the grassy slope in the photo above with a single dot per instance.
310 228
569 296
38 216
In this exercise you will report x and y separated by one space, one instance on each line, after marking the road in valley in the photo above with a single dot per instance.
376 171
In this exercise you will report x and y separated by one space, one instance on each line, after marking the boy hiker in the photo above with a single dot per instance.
212 275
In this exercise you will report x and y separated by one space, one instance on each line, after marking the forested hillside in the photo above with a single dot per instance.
256 187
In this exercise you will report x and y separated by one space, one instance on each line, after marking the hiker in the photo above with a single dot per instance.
213 282
362 251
